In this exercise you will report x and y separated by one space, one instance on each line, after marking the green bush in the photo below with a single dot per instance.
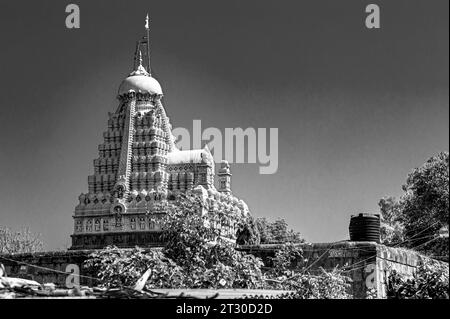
325 285
430 281
123 267
288 272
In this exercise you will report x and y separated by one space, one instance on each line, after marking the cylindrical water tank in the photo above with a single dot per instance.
365 227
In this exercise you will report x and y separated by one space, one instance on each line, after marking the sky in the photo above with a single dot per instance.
357 109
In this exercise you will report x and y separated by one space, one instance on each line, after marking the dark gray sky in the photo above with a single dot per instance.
356 109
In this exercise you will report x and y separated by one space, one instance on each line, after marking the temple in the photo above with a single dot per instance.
140 165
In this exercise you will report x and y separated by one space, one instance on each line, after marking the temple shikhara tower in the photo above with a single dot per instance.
139 165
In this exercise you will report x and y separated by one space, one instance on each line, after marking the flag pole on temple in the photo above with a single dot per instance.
147 27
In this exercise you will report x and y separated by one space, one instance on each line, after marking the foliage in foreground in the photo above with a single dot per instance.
123 267
325 285
196 256
19 241
285 274
431 281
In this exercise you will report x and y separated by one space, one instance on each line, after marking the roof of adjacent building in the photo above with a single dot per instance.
189 156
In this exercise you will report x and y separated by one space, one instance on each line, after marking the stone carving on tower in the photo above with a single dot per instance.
225 178
139 165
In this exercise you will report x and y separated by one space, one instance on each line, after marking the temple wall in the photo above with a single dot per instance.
60 268
118 239
369 264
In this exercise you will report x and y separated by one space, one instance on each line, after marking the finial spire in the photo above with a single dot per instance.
140 58
147 28
147 22
139 69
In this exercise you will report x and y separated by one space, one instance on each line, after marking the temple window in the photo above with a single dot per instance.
97 225
89 225
133 223
79 226
118 221
142 223
105 225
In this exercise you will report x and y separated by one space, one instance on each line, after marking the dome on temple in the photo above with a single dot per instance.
140 84
140 81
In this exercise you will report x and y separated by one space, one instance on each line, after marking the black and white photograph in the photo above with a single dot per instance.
224 158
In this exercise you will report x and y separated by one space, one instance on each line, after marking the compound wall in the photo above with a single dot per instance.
367 264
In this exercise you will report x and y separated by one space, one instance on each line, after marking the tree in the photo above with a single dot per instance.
422 212
20 241
195 254
426 205
392 229
276 232
247 232
198 246
253 231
